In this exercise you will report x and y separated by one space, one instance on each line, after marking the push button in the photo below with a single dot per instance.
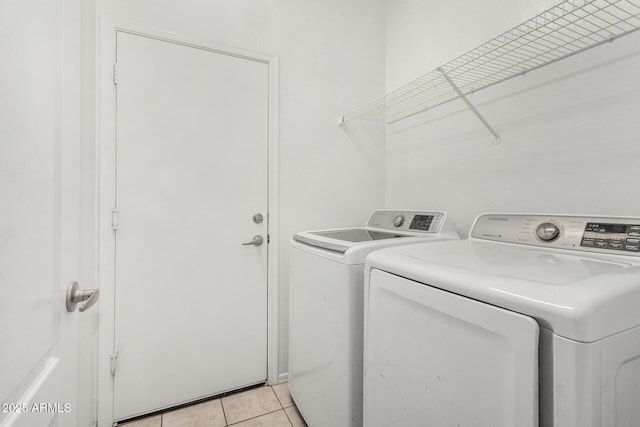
587 242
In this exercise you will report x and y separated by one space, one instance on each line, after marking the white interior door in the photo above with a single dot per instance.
39 120
191 173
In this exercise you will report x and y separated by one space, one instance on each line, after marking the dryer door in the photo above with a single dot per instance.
434 358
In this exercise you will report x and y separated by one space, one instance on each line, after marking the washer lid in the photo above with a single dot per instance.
383 228
342 239
580 296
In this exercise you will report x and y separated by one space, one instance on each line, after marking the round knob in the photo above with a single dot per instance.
547 232
398 220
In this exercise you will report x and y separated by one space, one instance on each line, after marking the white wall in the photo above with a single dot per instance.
569 131
331 58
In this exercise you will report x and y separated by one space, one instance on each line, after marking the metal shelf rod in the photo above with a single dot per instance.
471 106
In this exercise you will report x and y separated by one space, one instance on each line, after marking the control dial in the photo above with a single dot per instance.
398 220
547 232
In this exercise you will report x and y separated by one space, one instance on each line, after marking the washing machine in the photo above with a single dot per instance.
326 308
532 321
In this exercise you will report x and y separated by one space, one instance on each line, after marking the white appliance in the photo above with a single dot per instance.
532 321
326 303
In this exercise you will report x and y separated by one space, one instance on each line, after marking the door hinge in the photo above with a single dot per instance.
114 360
268 239
115 73
114 219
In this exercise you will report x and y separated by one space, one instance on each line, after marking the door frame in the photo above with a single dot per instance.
105 193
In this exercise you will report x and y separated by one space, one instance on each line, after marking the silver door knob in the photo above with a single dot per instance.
257 240
75 296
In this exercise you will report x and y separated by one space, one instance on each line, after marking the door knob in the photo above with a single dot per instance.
75 296
257 241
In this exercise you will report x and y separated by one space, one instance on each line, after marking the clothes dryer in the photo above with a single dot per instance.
532 321
326 302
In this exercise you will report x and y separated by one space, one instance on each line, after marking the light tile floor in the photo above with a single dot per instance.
268 406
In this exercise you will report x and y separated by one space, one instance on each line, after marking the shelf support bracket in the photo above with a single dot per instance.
471 106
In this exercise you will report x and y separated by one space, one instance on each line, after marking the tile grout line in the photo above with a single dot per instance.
258 416
277 398
282 404
288 417
224 414
266 413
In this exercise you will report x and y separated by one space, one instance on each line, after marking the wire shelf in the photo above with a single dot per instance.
561 31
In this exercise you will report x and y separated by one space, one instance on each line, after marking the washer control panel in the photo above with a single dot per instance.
407 221
611 235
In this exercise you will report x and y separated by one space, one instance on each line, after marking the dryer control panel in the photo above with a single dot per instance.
624 237
613 235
